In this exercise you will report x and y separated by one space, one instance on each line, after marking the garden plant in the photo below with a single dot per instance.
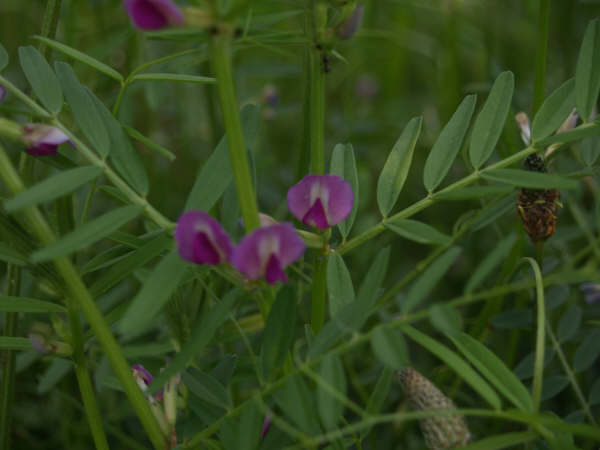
299 224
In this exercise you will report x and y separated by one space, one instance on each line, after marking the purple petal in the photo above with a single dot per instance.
2 92
201 239
253 255
335 194
266 426
140 373
591 292
153 14
38 343
43 139
350 26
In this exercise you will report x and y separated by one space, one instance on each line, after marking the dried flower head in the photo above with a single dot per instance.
440 432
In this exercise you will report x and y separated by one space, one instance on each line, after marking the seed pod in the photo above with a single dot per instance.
538 208
440 432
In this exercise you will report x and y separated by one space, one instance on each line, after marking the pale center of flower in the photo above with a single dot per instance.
201 227
267 247
318 191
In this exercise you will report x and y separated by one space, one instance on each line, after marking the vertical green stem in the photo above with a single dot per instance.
77 291
317 111
319 289
83 379
221 63
50 23
8 357
541 54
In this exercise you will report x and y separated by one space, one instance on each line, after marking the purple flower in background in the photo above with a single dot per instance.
201 239
591 292
143 379
43 140
267 251
349 27
38 342
321 200
153 14
2 93
266 426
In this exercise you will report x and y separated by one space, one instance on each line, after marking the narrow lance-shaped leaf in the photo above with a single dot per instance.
331 408
390 347
297 402
87 234
175 77
53 187
28 305
339 284
448 144
3 57
82 57
343 164
279 329
490 121
528 179
587 71
394 172
379 394
417 231
553 112
490 261
41 77
84 111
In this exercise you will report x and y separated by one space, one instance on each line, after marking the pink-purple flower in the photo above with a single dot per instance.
153 14
321 201
43 140
143 378
591 292
2 92
201 239
267 251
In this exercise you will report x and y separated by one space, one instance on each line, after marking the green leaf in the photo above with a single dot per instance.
417 231
83 108
12 256
587 71
501 441
586 130
569 323
3 57
448 144
343 164
28 305
390 347
330 408
14 343
490 262
176 77
590 150
41 77
474 192
279 329
428 279
494 370
87 234
59 368
445 319
215 175
124 157
297 402
553 112
126 265
528 179
205 387
457 364
135 134
242 432
199 339
554 385
81 57
339 284
394 172
154 294
588 352
379 395
53 187
490 121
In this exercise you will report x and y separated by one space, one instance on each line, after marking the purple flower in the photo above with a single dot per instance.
201 239
43 140
153 14
267 251
591 292
2 92
350 26
321 200
38 342
266 426
143 379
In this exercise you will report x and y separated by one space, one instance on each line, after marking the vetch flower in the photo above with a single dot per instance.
591 292
201 239
143 379
266 426
321 200
349 27
153 14
43 140
2 93
267 251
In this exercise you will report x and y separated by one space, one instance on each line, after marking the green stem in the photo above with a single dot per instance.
13 275
221 63
317 111
50 23
77 291
319 290
541 54
83 379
